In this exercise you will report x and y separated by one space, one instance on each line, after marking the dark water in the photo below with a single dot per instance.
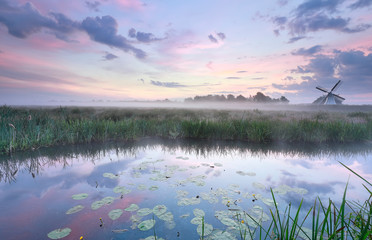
191 179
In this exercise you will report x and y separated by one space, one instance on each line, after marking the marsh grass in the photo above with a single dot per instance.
29 128
349 220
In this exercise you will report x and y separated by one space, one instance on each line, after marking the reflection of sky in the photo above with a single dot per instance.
32 207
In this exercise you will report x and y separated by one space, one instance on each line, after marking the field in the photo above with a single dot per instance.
24 128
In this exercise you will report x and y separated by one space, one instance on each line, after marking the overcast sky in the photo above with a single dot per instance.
61 50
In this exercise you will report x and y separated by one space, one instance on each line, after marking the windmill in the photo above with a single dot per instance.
330 98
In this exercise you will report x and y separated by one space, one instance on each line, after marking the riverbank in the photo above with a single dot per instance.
24 128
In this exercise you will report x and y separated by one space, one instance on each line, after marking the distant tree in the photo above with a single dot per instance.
284 99
241 98
230 97
189 99
260 97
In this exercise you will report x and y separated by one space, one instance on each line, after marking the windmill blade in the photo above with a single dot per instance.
338 96
322 89
336 86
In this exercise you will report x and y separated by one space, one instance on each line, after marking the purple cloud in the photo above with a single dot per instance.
221 35
142 36
308 52
93 5
213 39
167 84
233 78
104 30
109 56
361 4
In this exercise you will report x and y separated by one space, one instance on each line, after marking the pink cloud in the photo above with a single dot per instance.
132 4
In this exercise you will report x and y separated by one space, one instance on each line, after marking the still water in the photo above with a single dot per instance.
166 188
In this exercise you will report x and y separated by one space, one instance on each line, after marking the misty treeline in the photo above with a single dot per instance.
259 97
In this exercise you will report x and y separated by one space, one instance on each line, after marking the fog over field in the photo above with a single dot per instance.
214 105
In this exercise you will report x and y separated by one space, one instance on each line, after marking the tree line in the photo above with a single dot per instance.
259 97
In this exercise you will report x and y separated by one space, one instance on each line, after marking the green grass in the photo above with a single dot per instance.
30 128
349 220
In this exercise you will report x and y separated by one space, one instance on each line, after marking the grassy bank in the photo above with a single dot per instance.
27 128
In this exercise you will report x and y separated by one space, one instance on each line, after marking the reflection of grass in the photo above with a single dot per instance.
328 221
23 128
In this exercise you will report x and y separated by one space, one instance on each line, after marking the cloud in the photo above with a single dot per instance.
233 78
241 71
213 39
141 80
25 20
361 4
310 7
308 52
209 65
280 20
167 84
295 39
142 36
282 2
104 30
93 5
221 35
354 68
109 56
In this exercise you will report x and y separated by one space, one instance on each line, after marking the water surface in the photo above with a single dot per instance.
188 179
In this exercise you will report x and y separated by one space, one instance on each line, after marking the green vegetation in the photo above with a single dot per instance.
29 128
328 221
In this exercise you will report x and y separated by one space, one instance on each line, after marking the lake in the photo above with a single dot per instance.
137 190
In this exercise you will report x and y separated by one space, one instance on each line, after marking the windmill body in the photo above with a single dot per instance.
330 98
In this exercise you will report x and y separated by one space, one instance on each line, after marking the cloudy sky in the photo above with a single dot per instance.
62 50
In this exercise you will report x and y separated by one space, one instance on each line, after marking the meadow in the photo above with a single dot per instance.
27 128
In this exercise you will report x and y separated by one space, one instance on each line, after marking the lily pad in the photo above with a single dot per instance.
153 238
246 173
198 212
188 201
133 207
122 190
258 185
144 211
170 225
218 164
222 235
80 196
168 216
115 214
228 222
75 209
97 204
159 210
196 220
153 188
208 228
141 187
146 225
108 200
110 175
59 233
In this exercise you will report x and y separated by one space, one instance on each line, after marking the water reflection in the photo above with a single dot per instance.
34 162
184 176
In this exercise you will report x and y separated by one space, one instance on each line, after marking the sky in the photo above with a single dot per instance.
120 50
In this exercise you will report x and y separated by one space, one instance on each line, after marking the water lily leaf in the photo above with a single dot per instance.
119 230
146 225
218 164
97 204
153 238
59 233
222 235
122 190
246 173
75 209
153 188
196 220
115 214
108 200
133 207
80 196
159 210
141 187
228 222
188 201
168 216
110 175
170 224
208 228
258 185
198 212
185 215
144 211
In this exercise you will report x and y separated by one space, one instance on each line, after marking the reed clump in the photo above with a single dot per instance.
28 128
